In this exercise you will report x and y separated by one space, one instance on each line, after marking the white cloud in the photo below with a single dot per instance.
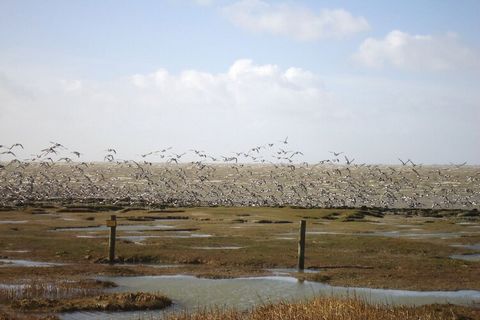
203 2
293 21
417 52
371 119
71 85
246 104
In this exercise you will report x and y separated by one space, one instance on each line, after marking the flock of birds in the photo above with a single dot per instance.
265 175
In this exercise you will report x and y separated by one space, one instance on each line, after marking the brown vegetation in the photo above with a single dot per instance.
104 302
335 309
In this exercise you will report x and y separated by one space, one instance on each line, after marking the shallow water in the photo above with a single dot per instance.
466 257
475 246
26 263
399 234
218 248
140 239
134 239
13 221
288 271
190 293
188 235
119 228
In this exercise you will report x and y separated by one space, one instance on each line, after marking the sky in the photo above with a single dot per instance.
378 80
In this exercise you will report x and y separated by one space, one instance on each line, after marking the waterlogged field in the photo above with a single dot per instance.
410 249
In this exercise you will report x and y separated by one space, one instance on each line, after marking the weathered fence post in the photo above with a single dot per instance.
301 246
112 223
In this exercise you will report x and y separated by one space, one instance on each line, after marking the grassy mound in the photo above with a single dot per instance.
106 302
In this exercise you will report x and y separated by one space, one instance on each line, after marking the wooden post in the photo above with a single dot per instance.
112 223
301 246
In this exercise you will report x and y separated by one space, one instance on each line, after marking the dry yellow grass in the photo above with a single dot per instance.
336 309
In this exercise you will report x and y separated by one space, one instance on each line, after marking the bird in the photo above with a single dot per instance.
16 145
57 145
9 152
349 161
336 154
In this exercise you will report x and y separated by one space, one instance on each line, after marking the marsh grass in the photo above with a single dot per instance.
50 290
406 263
104 302
64 296
334 309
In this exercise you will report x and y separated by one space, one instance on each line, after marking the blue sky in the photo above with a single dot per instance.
377 79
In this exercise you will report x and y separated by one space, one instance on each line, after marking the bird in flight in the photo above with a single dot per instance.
57 145
8 152
349 161
15 145
336 154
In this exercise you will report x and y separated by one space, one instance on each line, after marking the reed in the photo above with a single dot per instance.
335 309
35 289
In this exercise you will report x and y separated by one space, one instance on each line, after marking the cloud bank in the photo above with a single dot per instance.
293 21
372 120
417 52
239 108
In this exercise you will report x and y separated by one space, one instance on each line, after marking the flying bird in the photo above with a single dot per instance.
349 161
16 145
336 154
8 152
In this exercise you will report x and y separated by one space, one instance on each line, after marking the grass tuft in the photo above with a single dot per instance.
335 309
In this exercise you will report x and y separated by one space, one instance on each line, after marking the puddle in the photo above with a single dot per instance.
328 233
467 246
139 239
134 239
150 265
466 257
397 234
218 248
17 251
119 228
13 221
191 293
191 235
288 271
26 263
